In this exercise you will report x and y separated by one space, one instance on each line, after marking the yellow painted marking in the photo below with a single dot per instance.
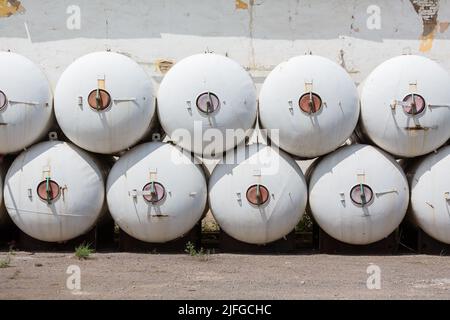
101 84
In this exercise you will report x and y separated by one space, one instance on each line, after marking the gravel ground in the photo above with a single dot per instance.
223 276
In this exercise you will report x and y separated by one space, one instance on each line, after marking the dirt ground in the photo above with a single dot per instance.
223 276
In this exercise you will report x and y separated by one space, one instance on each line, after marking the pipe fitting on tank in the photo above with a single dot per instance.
48 190
413 104
310 102
153 192
257 194
3 100
361 195
99 99
207 103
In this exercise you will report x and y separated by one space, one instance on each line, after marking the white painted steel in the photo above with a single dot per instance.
26 113
185 192
81 198
304 134
385 122
332 180
128 118
268 167
430 194
191 128
3 214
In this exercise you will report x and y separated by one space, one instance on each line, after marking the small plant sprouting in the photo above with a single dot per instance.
5 263
190 249
193 252
83 251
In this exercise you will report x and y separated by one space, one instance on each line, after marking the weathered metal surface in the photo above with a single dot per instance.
156 193
313 103
242 216
207 104
105 102
430 194
25 103
3 214
376 213
399 106
78 204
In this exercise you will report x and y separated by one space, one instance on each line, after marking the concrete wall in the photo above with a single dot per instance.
257 33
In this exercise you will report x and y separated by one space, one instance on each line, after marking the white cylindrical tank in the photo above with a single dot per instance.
358 194
313 103
202 99
3 214
405 106
430 194
156 193
54 191
257 194
104 102
25 103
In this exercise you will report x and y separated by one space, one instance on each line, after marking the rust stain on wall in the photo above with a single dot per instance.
443 26
240 4
427 41
163 65
428 11
10 7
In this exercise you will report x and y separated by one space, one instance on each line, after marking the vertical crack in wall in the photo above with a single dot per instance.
250 28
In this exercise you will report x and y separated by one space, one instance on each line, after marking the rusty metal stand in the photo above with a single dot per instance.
8 236
105 236
27 243
431 246
329 245
129 244
231 245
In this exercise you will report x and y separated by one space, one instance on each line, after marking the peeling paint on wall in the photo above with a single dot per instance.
10 7
343 63
240 4
428 11
163 65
